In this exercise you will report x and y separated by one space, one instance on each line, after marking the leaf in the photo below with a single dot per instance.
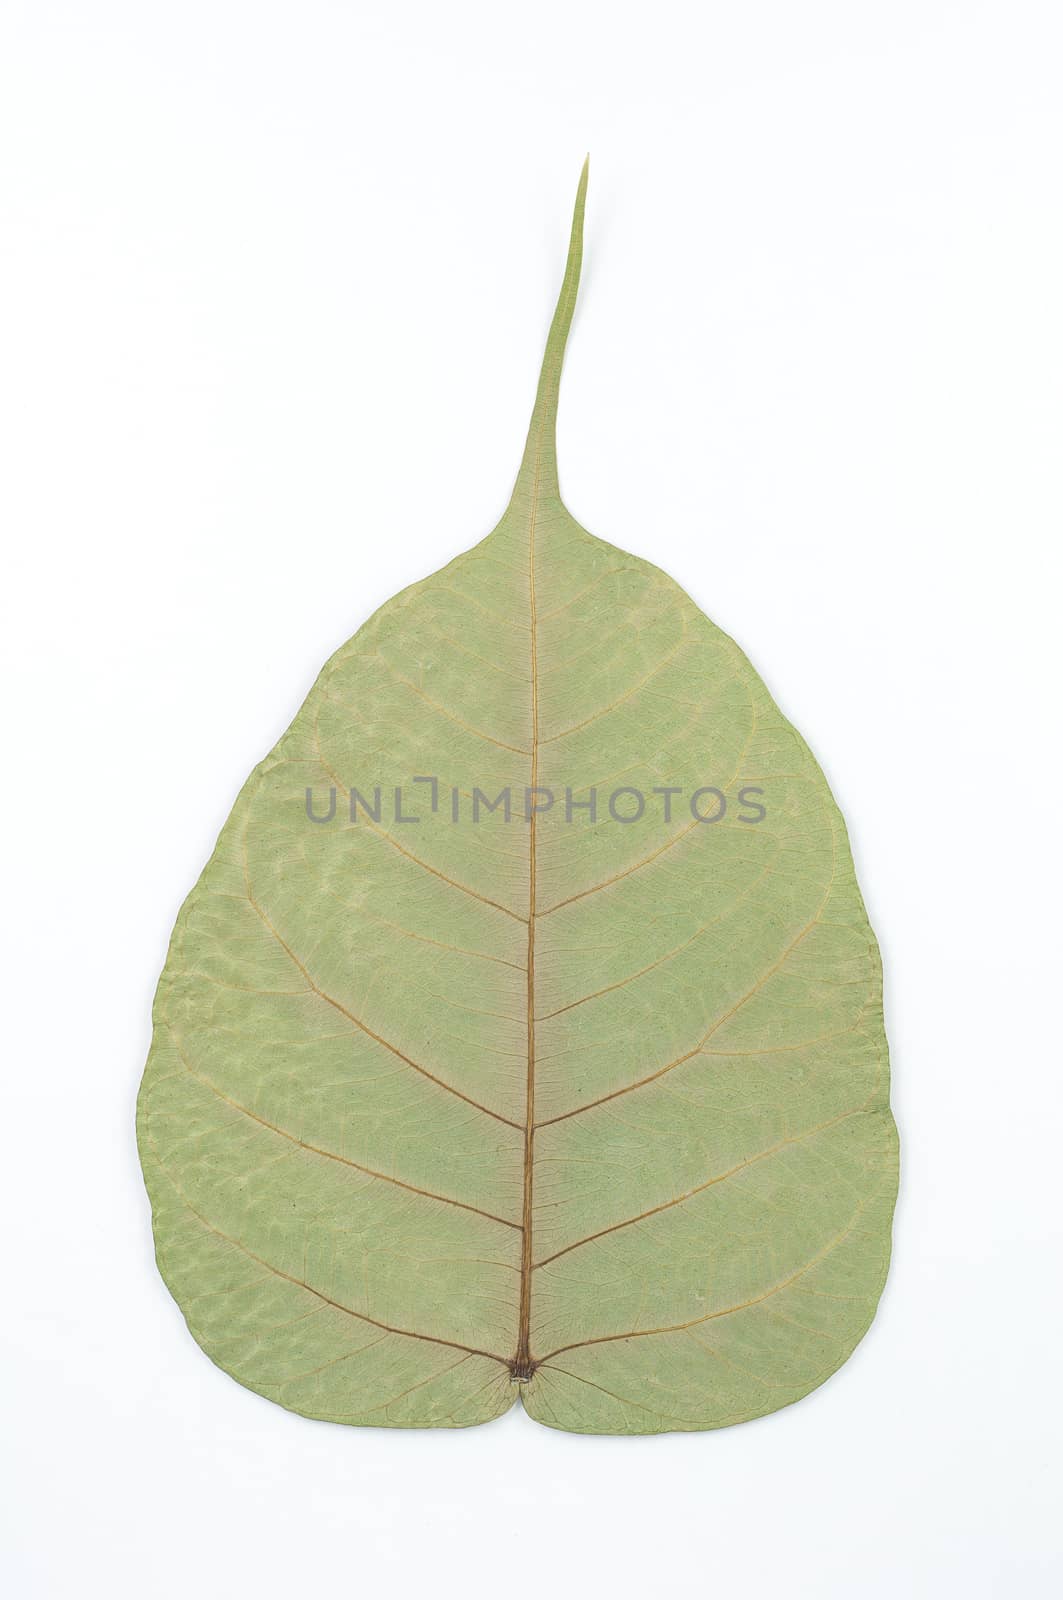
585 1110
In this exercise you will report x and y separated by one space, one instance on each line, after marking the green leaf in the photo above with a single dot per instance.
589 1111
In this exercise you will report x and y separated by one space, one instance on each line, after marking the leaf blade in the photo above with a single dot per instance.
597 1102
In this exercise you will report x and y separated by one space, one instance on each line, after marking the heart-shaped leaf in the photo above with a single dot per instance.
523 1035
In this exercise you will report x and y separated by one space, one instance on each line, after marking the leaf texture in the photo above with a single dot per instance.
589 1108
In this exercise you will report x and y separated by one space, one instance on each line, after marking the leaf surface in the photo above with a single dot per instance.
585 1107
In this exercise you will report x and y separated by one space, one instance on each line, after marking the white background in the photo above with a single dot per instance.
276 281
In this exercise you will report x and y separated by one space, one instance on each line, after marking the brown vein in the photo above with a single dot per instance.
727 1311
469 599
606 883
595 888
364 1027
483 661
602 576
318 1150
616 704
463 888
337 1305
669 955
721 1177
652 1077
422 938
442 711
522 1363
544 415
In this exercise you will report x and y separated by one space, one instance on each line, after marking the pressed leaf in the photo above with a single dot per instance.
586 1110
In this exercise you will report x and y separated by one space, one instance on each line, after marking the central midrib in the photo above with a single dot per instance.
523 1366
543 430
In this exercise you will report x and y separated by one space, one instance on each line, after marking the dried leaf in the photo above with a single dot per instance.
588 1106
